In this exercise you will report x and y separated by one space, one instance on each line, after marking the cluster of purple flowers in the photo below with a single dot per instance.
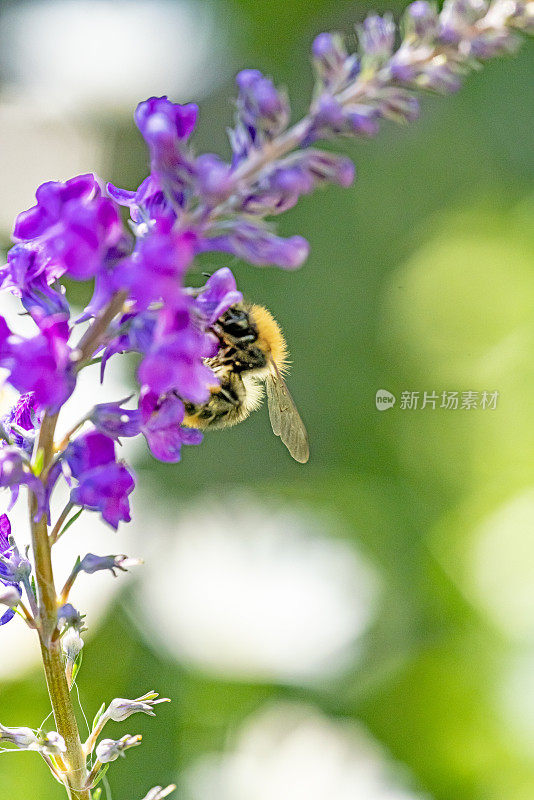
190 204
14 570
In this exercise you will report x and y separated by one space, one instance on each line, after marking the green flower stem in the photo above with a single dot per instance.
66 724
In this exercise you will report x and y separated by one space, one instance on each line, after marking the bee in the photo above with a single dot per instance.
252 357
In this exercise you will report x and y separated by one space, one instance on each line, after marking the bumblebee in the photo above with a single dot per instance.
252 356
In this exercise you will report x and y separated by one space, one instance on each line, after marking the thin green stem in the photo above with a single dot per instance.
92 336
54 669
54 534
66 725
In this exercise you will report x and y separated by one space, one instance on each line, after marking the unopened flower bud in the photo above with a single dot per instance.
109 749
158 793
50 743
71 644
421 19
377 37
9 596
69 617
92 563
120 709
114 421
23 738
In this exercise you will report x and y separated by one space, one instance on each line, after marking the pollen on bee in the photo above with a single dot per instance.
270 337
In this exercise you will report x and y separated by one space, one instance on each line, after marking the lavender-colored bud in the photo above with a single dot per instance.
69 617
114 421
51 744
9 596
491 43
363 119
260 104
214 177
158 792
23 738
109 749
331 61
71 644
91 563
398 104
421 19
440 76
522 16
120 709
377 37
457 16
257 245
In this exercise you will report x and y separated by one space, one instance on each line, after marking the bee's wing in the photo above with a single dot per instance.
285 419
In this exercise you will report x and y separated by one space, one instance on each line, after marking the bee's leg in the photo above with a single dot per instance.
229 395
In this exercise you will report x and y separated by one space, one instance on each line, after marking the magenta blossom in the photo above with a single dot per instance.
162 425
73 223
41 364
156 268
103 483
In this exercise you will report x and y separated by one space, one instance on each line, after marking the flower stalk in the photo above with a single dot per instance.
58 690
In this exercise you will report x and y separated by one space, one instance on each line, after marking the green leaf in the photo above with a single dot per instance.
97 794
69 523
77 665
38 464
101 774
98 715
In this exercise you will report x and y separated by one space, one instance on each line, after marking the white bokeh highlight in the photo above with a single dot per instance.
291 750
500 568
73 54
246 590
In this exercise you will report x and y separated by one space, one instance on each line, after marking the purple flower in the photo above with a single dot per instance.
74 223
29 274
23 417
162 428
294 176
134 332
156 268
262 112
14 473
174 362
333 66
377 37
256 244
260 105
219 293
165 126
10 596
114 421
214 177
13 567
88 452
149 201
42 364
421 19
103 483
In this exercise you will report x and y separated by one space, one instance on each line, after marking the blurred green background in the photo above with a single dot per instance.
420 278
